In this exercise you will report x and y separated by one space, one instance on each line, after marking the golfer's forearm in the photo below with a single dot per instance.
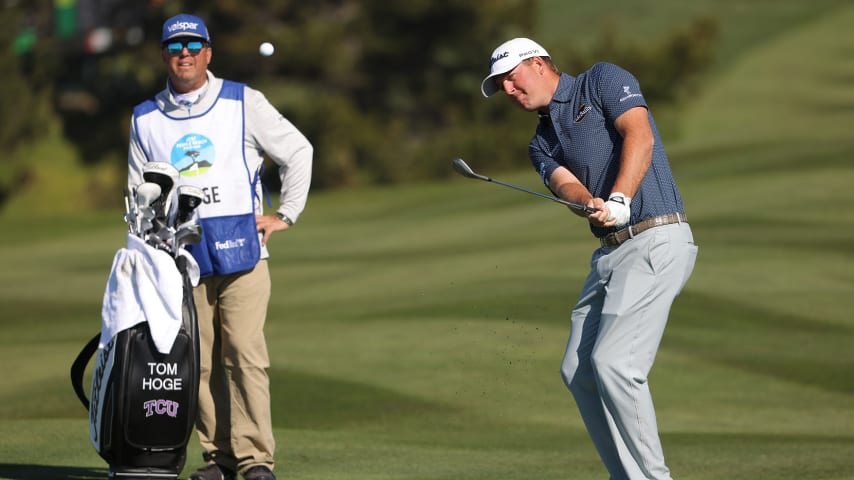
573 192
634 163
566 186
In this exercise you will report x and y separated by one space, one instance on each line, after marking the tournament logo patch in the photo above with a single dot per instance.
193 155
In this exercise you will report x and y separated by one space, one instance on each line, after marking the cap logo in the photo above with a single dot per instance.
497 58
529 52
182 26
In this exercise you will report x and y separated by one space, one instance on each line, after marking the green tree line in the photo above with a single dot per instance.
387 92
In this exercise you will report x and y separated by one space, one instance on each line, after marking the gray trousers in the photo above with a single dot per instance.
616 330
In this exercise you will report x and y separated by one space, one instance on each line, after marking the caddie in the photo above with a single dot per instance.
217 133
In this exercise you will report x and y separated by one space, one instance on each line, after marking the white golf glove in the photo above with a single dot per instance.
620 207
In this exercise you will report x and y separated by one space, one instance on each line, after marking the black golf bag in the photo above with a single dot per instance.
143 404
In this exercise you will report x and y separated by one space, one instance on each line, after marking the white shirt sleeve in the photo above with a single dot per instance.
136 158
278 139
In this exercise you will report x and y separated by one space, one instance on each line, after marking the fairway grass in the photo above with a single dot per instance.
416 332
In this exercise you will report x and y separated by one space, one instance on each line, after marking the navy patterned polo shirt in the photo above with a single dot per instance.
579 134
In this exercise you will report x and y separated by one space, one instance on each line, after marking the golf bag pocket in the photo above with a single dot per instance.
143 403
229 244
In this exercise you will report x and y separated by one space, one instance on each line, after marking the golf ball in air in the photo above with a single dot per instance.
266 49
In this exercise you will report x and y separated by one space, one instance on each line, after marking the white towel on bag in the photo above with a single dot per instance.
145 285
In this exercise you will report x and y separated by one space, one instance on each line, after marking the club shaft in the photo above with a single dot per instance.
576 206
463 169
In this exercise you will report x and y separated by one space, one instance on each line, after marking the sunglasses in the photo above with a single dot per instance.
192 46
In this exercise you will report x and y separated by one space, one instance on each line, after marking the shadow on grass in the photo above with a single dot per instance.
50 472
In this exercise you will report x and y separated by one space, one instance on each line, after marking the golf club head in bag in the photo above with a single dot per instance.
146 195
161 236
130 210
166 176
189 198
189 233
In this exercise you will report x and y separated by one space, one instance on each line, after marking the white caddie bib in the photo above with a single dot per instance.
207 150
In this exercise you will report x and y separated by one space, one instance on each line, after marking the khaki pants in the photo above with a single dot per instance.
234 423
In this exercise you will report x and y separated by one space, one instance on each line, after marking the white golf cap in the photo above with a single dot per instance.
506 57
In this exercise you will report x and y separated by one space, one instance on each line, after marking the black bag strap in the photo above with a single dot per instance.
79 366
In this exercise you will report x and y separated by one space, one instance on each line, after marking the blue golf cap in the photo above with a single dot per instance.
185 25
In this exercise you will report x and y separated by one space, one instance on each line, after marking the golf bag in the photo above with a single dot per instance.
143 403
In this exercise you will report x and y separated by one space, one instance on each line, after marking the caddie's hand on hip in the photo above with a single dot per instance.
267 224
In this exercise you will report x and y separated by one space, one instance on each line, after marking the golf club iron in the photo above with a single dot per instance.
130 211
463 169
146 194
161 239
188 233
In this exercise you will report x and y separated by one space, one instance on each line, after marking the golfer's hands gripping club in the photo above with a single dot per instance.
616 212
267 224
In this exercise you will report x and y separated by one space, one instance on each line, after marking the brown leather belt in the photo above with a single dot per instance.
619 237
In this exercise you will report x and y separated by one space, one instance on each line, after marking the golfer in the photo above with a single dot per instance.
596 144
216 133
